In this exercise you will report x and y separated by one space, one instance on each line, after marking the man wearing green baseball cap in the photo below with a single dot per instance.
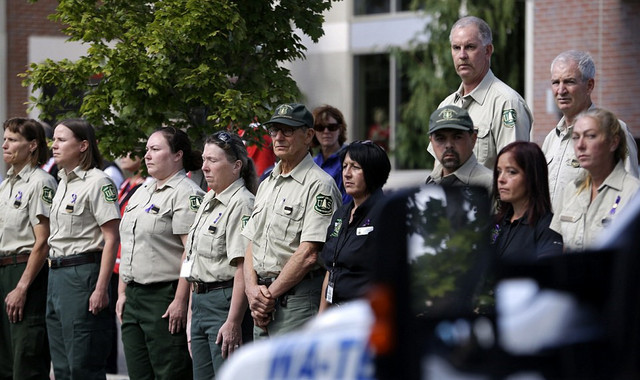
453 137
287 229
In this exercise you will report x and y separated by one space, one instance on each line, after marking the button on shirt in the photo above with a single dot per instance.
23 197
154 219
290 209
84 201
580 221
471 173
499 114
215 240
563 164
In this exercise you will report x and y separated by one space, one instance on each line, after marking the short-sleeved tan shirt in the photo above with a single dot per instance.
581 222
23 197
499 114
215 240
151 248
84 201
290 209
563 164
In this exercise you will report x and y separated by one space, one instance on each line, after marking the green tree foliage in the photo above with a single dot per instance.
430 74
204 65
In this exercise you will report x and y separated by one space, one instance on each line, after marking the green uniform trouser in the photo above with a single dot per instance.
79 341
293 309
209 311
24 349
150 350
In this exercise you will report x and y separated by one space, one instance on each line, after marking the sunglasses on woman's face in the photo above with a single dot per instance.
331 127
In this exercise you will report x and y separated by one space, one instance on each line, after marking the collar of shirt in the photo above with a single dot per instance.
463 173
366 206
299 172
615 179
178 177
24 174
479 94
224 197
77 172
332 159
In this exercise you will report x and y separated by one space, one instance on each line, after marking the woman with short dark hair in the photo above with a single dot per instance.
521 190
348 251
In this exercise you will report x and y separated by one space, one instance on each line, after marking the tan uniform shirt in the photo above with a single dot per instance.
563 164
499 114
84 201
579 222
215 240
23 197
471 173
290 209
151 248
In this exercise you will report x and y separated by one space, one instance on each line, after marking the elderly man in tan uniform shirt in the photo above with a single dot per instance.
287 229
453 137
572 81
499 113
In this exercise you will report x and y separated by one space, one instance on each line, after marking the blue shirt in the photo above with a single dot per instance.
333 167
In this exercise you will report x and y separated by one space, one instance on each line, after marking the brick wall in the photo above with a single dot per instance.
23 20
608 30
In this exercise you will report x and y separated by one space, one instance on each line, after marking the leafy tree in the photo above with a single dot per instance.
430 74
204 65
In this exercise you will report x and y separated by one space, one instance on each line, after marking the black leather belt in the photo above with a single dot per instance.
14 259
152 285
267 281
73 260
205 287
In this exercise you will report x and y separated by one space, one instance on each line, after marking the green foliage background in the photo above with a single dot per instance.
202 64
430 73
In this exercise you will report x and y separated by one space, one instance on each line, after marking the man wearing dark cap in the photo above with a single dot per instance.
293 208
453 137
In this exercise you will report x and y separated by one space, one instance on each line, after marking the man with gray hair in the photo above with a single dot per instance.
572 81
499 113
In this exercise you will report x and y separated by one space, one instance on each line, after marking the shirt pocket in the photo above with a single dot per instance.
287 222
483 144
211 242
15 217
571 224
154 222
72 218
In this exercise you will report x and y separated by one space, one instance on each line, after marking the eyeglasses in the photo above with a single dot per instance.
287 131
369 143
331 127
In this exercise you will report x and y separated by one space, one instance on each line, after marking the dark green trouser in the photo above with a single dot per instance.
209 311
24 349
294 309
150 350
79 341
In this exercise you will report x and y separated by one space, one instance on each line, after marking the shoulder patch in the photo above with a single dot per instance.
324 204
194 202
109 192
509 118
245 220
47 194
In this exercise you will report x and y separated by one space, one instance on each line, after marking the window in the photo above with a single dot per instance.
368 7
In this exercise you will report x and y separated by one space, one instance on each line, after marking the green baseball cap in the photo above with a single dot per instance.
292 114
450 117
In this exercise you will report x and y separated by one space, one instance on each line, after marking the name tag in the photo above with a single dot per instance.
185 270
364 230
569 218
